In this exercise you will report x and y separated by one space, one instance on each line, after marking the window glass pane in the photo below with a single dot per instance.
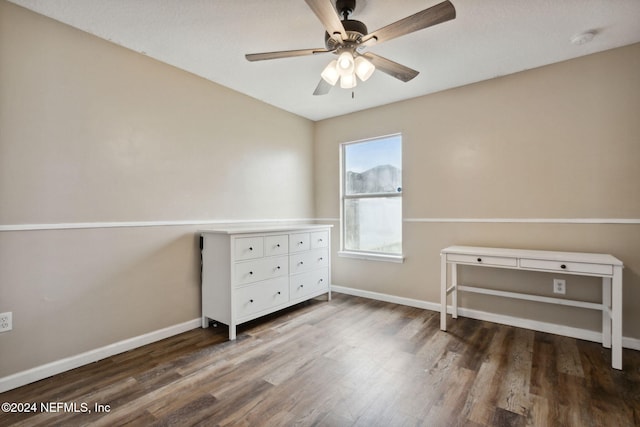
373 224
373 167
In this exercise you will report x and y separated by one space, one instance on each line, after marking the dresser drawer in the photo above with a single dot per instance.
299 242
261 269
319 239
276 245
261 296
249 248
483 260
299 263
309 283
567 267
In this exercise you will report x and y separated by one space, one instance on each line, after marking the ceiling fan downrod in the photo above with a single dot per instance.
345 8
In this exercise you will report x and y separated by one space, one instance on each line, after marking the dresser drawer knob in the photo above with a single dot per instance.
479 259
278 245
301 262
563 266
300 242
320 259
250 273
322 280
279 293
278 267
302 286
250 248
251 301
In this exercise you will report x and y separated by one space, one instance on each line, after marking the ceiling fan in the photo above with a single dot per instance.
348 39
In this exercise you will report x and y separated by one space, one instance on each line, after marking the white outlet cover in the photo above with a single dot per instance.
6 321
559 286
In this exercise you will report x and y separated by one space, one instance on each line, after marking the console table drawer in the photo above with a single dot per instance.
483 260
568 267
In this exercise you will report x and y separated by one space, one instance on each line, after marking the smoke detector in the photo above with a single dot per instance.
583 38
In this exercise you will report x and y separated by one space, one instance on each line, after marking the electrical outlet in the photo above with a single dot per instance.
6 323
559 286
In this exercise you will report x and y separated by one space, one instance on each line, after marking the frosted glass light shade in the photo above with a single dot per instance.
330 73
345 63
348 81
364 69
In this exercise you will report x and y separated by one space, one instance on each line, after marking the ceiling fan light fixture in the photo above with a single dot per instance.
348 81
345 63
330 73
364 69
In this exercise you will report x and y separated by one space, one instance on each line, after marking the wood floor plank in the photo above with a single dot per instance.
483 394
513 395
568 357
348 362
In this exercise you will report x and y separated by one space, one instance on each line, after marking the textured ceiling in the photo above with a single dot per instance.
488 38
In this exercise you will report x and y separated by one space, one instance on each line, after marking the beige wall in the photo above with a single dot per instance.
561 141
92 132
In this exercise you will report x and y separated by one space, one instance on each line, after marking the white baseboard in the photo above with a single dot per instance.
552 328
44 371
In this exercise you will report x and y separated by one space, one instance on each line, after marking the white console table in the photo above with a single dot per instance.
605 266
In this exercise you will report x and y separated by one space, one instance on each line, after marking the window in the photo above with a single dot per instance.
371 193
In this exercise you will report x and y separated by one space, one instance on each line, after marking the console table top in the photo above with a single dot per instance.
593 258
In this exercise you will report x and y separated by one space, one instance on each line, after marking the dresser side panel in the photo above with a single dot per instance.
216 277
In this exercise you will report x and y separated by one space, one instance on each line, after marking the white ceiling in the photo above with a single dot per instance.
209 38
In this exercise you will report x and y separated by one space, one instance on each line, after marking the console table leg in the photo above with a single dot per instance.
443 293
616 320
606 313
454 291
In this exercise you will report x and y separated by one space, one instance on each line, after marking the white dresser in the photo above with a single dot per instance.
248 272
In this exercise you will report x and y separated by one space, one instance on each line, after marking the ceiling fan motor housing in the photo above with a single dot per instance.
355 31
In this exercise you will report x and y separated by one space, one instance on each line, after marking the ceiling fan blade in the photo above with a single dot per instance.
394 69
323 88
437 14
283 54
328 16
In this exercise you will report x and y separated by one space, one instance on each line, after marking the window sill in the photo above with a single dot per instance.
369 256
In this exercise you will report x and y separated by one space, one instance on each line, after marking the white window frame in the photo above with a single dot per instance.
365 255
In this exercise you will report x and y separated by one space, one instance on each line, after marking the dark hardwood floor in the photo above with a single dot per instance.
348 362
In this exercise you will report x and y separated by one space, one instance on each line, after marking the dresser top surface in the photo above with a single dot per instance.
260 228
587 257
